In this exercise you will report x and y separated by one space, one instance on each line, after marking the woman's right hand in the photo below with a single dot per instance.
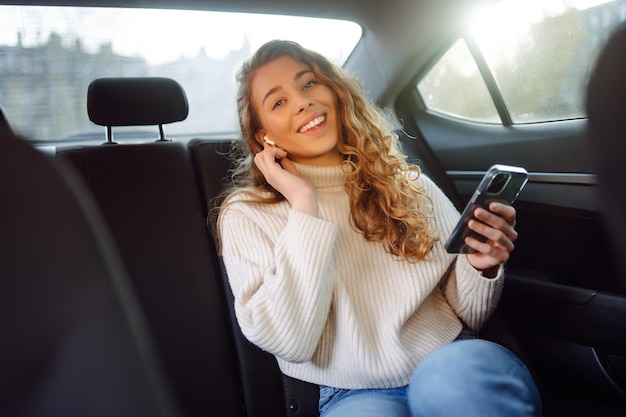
280 173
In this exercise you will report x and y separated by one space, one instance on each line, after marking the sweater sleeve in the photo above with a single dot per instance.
472 296
281 275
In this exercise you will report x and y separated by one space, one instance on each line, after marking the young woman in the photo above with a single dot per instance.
333 247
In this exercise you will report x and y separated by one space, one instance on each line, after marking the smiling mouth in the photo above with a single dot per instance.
313 123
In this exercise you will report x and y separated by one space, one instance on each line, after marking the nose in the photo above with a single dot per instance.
303 101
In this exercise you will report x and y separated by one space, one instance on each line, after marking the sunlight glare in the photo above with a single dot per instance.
501 27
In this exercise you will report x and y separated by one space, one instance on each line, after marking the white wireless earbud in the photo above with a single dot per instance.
269 141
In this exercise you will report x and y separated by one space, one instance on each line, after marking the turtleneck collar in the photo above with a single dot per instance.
323 176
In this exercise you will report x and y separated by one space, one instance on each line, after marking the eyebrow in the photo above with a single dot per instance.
298 75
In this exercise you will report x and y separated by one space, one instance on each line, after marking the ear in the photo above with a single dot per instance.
258 136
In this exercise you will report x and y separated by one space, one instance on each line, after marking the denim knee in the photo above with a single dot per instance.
473 378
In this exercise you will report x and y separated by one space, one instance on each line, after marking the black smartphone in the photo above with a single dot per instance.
501 183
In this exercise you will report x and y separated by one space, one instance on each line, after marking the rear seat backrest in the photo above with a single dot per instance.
149 198
267 392
260 376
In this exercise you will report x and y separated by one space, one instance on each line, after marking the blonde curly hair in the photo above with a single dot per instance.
386 204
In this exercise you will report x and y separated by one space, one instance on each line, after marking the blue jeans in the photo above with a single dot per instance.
466 378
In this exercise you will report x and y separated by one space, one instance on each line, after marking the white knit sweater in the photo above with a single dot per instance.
336 309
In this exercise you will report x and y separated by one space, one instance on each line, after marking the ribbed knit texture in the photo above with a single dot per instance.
336 309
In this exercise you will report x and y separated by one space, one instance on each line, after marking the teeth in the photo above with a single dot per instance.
312 123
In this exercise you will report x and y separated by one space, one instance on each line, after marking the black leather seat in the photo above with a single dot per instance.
267 391
73 341
150 200
606 108
142 101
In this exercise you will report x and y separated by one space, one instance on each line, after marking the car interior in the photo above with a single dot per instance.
114 299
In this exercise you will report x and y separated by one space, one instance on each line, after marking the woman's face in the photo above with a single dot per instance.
296 112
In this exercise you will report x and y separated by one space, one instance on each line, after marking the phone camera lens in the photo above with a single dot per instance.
498 182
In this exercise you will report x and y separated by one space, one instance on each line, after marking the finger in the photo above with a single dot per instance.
487 255
288 165
491 254
274 151
264 161
491 219
506 211
495 237
497 222
503 238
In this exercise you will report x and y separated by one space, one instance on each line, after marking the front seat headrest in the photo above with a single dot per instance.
4 123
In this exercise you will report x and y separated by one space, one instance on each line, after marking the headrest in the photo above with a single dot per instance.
606 91
4 123
137 101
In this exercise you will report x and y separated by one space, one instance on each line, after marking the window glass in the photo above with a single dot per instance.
454 87
540 53
545 51
49 55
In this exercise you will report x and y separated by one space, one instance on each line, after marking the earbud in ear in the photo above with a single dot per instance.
269 141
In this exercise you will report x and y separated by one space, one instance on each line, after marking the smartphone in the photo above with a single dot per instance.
501 183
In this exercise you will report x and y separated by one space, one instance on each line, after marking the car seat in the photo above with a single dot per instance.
606 109
74 343
4 123
149 198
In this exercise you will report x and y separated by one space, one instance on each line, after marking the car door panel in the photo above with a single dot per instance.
574 337
540 147
562 298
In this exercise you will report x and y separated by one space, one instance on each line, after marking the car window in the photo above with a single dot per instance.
49 55
455 87
538 56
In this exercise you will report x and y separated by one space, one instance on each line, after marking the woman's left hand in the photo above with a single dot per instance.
497 225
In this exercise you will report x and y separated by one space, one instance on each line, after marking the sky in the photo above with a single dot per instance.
164 35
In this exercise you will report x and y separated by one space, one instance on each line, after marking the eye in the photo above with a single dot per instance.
309 84
278 104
